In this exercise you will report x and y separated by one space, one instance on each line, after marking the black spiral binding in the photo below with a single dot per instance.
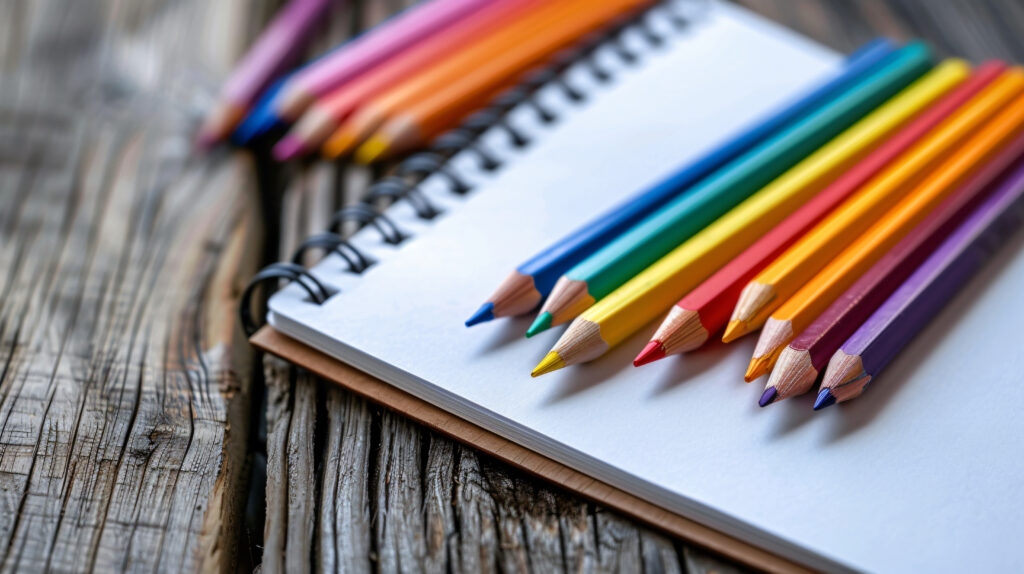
435 160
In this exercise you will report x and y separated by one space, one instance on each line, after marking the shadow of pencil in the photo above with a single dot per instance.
579 378
688 366
509 331
880 395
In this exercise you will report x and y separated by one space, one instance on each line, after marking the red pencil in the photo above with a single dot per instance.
801 361
706 309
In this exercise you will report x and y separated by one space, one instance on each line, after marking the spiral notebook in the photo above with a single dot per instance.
682 443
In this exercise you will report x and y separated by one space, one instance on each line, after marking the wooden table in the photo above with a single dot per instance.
137 428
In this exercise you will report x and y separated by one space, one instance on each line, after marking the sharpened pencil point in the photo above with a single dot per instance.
652 352
484 314
768 397
540 324
734 330
551 362
825 399
759 366
288 148
374 149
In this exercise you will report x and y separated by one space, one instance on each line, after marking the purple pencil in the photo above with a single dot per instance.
801 361
276 48
904 314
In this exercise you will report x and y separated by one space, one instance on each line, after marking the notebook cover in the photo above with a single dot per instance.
377 391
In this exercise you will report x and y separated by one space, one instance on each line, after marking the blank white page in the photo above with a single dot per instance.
920 474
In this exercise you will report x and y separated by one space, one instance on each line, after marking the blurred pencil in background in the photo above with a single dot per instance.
277 48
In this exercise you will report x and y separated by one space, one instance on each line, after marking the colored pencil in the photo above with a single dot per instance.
327 113
809 302
652 291
784 276
907 311
432 102
355 57
375 112
524 288
800 362
620 260
276 48
704 311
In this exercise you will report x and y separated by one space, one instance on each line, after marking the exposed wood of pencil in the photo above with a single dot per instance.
515 296
568 299
681 331
580 343
774 337
754 296
845 377
794 373
814 251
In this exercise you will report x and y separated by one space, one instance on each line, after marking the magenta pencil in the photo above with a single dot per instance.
276 48
353 58
909 309
800 362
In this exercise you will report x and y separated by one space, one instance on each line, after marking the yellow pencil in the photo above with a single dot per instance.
784 276
986 153
655 289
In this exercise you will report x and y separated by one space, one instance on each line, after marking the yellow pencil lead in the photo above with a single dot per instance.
734 330
759 366
551 362
762 365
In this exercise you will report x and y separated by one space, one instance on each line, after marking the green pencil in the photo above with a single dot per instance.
707 200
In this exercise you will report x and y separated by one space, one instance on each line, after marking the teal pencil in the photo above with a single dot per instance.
620 260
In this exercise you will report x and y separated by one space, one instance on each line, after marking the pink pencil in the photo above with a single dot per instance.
274 50
353 58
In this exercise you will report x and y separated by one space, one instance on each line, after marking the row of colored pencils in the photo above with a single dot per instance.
837 226
396 87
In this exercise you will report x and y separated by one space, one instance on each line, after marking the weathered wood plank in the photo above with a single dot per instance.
124 382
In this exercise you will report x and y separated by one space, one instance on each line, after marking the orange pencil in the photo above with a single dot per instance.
976 155
416 110
326 114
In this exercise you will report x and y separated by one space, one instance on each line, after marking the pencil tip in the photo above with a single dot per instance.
652 352
825 399
540 324
551 362
374 149
484 314
769 396
288 148
734 330
758 367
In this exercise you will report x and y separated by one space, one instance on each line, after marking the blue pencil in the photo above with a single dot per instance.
525 287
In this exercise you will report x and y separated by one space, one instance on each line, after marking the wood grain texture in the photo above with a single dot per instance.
124 381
